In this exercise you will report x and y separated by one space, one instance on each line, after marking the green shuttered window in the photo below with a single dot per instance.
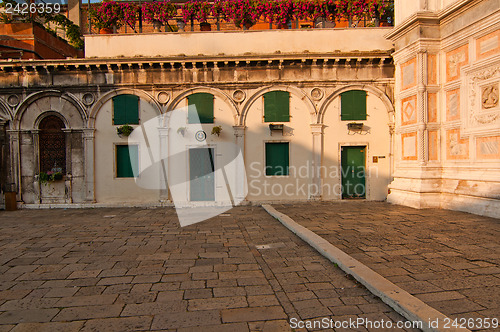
204 111
125 109
277 106
127 161
277 160
353 105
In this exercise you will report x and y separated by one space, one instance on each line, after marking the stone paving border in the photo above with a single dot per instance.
401 301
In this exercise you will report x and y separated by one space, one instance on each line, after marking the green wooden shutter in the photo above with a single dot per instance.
353 105
127 161
204 111
125 109
277 106
277 159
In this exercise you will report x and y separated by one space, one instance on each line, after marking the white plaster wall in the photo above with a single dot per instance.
230 43
178 168
108 188
375 136
297 133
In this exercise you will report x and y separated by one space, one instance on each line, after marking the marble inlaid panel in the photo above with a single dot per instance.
409 144
408 74
488 147
488 45
409 110
432 69
456 147
433 145
432 107
453 105
454 61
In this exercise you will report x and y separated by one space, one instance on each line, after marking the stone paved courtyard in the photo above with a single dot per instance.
448 259
136 269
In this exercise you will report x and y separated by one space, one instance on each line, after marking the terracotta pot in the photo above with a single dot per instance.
105 31
205 27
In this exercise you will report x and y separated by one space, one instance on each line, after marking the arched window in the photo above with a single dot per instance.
52 142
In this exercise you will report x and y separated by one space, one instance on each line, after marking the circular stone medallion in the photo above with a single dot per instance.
200 135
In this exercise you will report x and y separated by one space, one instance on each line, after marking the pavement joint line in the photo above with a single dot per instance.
400 300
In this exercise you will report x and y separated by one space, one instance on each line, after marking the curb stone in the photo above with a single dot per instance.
400 300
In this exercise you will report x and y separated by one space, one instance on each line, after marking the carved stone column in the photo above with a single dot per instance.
422 143
317 131
36 165
68 195
164 190
88 145
14 178
240 192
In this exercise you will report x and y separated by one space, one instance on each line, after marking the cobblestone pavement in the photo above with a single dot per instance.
450 260
136 269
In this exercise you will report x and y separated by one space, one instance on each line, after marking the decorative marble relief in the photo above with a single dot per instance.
433 145
453 105
454 60
432 69
489 96
488 45
488 147
456 147
408 73
409 144
408 107
432 107
481 107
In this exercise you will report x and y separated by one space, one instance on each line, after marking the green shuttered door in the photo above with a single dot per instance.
353 171
125 109
127 161
277 159
204 103
277 106
353 105
201 174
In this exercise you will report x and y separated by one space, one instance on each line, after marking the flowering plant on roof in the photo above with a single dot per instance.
130 12
284 11
242 12
196 10
377 8
351 8
107 15
159 11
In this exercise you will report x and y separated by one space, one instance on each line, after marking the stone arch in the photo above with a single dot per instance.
216 92
293 90
4 111
123 91
368 88
49 113
53 105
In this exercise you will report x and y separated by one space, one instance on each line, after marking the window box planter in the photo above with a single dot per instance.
124 131
205 26
354 126
275 127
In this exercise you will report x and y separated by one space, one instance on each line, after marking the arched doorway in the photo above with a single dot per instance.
52 145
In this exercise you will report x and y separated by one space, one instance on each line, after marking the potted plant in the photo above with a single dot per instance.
107 16
199 11
181 131
216 130
158 13
46 177
124 130
244 13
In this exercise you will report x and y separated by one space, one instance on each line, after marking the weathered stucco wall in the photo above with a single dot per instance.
237 43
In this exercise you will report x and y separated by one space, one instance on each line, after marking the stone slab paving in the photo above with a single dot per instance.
137 269
450 260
